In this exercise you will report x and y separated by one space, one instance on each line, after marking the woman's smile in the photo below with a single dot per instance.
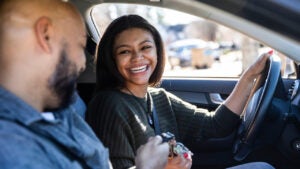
139 69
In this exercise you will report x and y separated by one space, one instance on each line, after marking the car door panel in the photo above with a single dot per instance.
205 93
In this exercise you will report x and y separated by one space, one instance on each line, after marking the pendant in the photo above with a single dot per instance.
150 120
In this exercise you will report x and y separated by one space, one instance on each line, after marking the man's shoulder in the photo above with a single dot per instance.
10 126
17 146
12 132
23 147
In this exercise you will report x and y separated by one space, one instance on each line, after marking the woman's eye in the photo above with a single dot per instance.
124 52
146 47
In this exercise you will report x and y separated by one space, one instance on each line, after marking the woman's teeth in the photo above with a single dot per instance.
138 69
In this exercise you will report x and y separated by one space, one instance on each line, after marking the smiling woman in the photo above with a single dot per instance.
124 96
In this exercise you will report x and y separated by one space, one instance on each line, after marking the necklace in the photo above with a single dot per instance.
149 106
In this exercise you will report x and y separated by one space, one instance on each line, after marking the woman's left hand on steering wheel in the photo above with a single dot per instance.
257 68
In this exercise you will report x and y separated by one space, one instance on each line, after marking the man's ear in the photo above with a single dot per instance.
44 32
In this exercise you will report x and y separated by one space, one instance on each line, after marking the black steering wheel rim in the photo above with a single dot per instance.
256 107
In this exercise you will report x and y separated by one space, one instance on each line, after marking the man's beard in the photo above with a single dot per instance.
63 81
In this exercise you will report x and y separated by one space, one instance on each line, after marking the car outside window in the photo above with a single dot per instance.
195 47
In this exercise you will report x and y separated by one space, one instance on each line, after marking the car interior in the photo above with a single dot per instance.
269 130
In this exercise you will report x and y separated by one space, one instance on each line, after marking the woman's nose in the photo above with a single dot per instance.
137 55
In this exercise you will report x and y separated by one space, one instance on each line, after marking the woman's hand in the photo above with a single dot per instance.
179 162
257 67
238 98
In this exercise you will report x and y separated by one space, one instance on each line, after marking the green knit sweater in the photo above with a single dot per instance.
120 121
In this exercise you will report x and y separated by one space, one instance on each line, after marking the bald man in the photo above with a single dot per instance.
41 55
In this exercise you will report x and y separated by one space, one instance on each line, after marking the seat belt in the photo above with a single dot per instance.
154 115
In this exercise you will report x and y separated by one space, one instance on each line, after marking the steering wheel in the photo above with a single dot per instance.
256 107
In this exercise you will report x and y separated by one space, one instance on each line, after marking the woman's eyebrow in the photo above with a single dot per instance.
124 45
147 40
120 46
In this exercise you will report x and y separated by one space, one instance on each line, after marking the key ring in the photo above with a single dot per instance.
175 148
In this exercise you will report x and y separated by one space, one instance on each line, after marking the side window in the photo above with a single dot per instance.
195 47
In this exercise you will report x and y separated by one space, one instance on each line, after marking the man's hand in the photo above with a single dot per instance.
152 155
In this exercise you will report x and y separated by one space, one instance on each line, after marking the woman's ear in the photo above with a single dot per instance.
44 33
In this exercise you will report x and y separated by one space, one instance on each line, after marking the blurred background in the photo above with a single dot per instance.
195 47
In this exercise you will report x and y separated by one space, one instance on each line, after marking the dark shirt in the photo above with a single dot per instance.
120 121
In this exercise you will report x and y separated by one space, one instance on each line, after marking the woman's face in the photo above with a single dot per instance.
135 55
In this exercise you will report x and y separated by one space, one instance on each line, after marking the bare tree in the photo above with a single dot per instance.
205 30
249 51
